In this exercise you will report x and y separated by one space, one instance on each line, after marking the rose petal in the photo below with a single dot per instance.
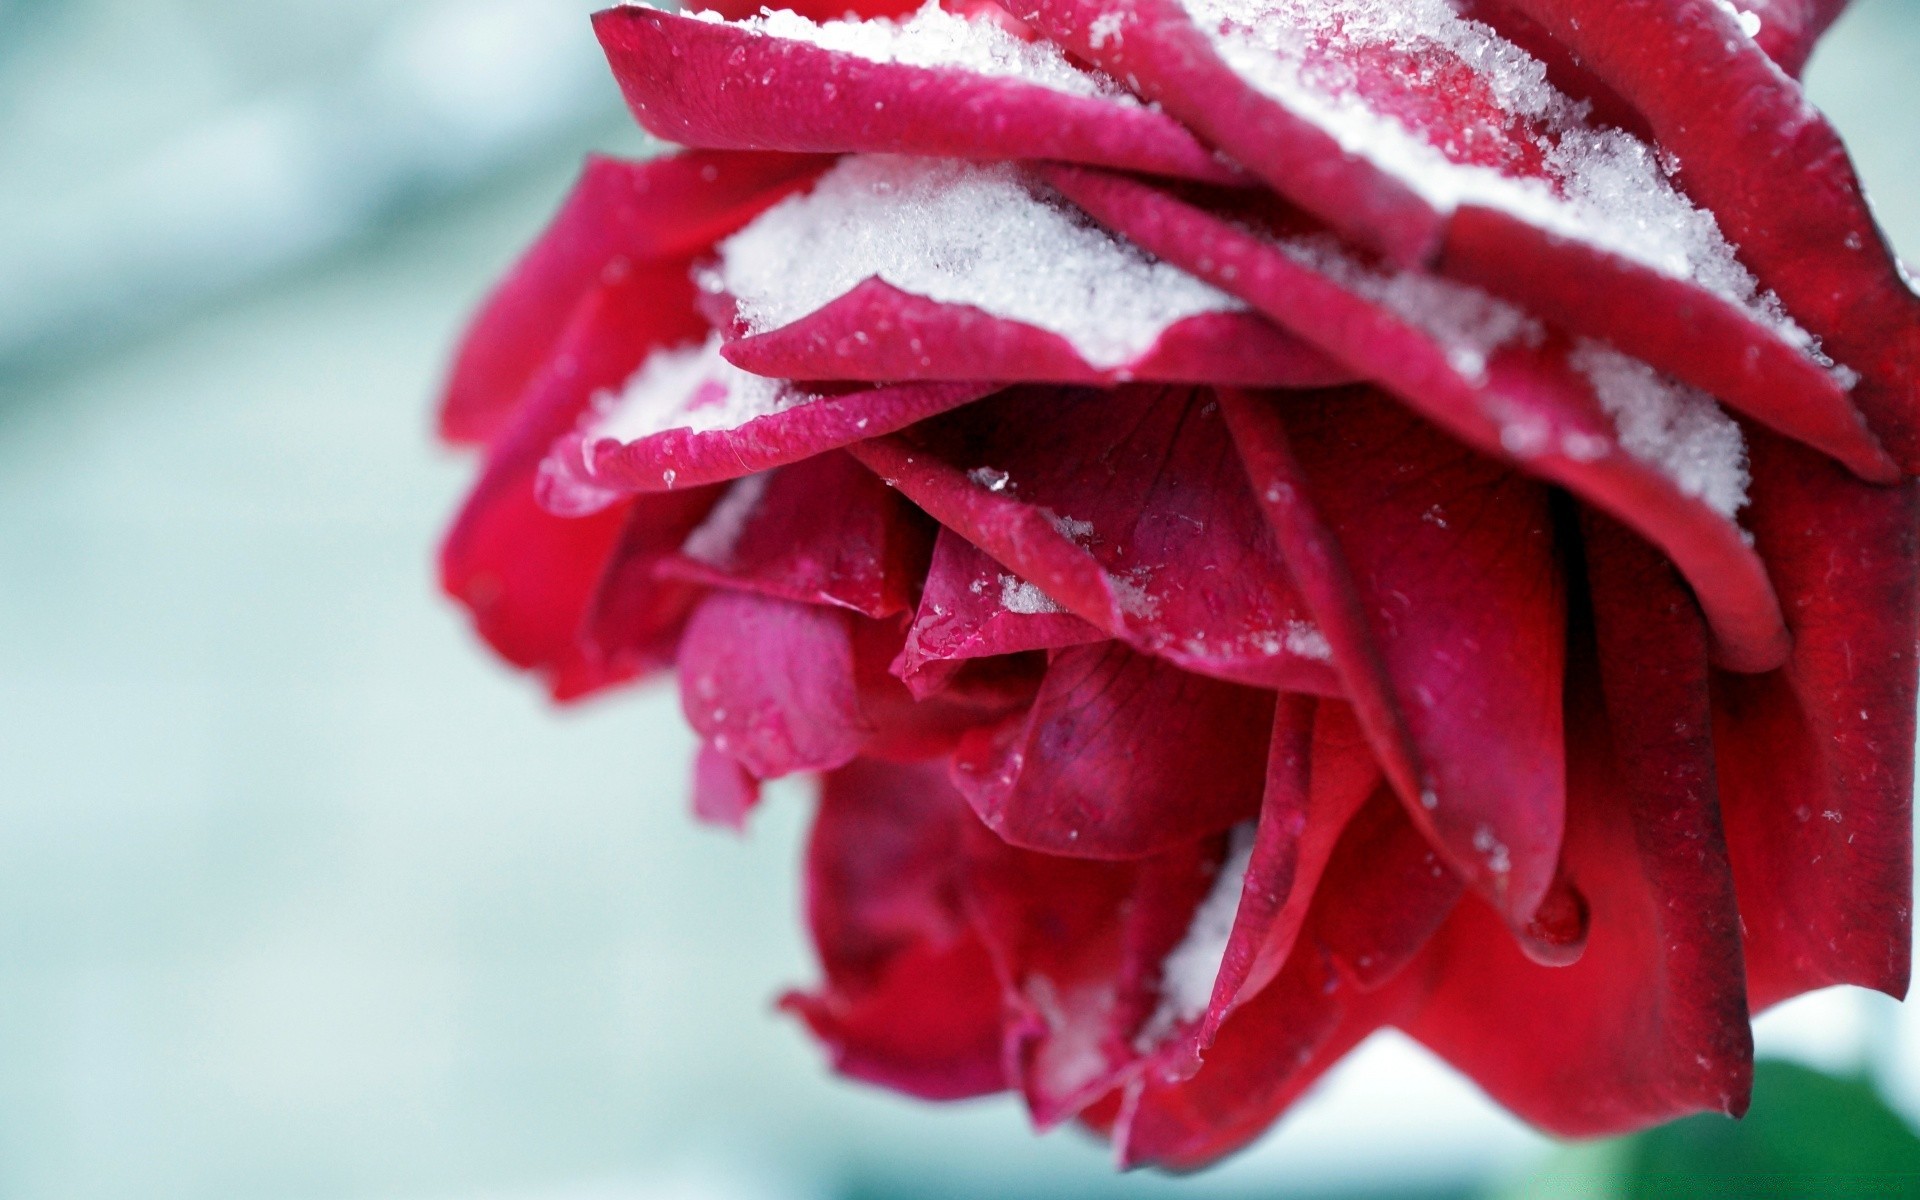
1774 173
910 1000
1124 508
878 332
723 792
702 83
1470 370
770 683
821 531
1473 162
908 726
1122 756
1816 760
633 617
526 576
620 216
1433 573
1651 1022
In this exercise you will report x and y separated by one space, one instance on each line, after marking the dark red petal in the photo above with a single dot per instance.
910 1001
908 726
1078 945
1387 892
526 576
1319 773
878 332
1125 508
1122 756
1651 1022
681 458
963 615
633 618
620 216
770 683
1774 173
1432 572
723 792
821 531
1531 407
700 83
1816 760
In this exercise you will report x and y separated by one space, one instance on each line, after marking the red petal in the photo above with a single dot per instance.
620 216
1529 405
633 618
1816 760
1122 756
911 1000
700 83
964 615
526 576
1387 891
1774 173
878 332
1125 508
1433 573
1651 1022
821 531
770 683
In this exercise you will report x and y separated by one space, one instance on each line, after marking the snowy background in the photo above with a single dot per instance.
300 894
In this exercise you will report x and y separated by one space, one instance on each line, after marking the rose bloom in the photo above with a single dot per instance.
1270 519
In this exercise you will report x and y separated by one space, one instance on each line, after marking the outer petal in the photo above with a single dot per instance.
633 617
770 683
1525 403
1432 572
1433 148
1775 174
1124 508
527 576
910 1001
1121 756
620 216
723 792
1651 1022
700 83
878 332
1816 760
822 531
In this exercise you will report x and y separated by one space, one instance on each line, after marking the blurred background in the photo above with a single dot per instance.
301 895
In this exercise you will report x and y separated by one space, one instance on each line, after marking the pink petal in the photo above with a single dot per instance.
620 216
770 683
1774 173
1434 574
1124 508
1122 756
963 615
1528 405
1651 1022
700 83
723 792
1501 215
526 576
821 531
878 332
910 1000
1816 760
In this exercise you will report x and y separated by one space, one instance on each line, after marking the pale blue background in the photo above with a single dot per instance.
301 895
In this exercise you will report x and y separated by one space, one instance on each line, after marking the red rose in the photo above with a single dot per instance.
1274 518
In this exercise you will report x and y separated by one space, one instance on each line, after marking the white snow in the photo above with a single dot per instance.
933 37
959 233
688 387
1678 429
1189 971
1607 187
1019 596
1305 639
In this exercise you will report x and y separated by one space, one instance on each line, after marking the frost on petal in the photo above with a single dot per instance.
910 999
958 234
935 82
1163 544
1121 756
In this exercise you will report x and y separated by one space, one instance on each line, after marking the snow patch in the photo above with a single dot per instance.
1190 970
1677 429
689 387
